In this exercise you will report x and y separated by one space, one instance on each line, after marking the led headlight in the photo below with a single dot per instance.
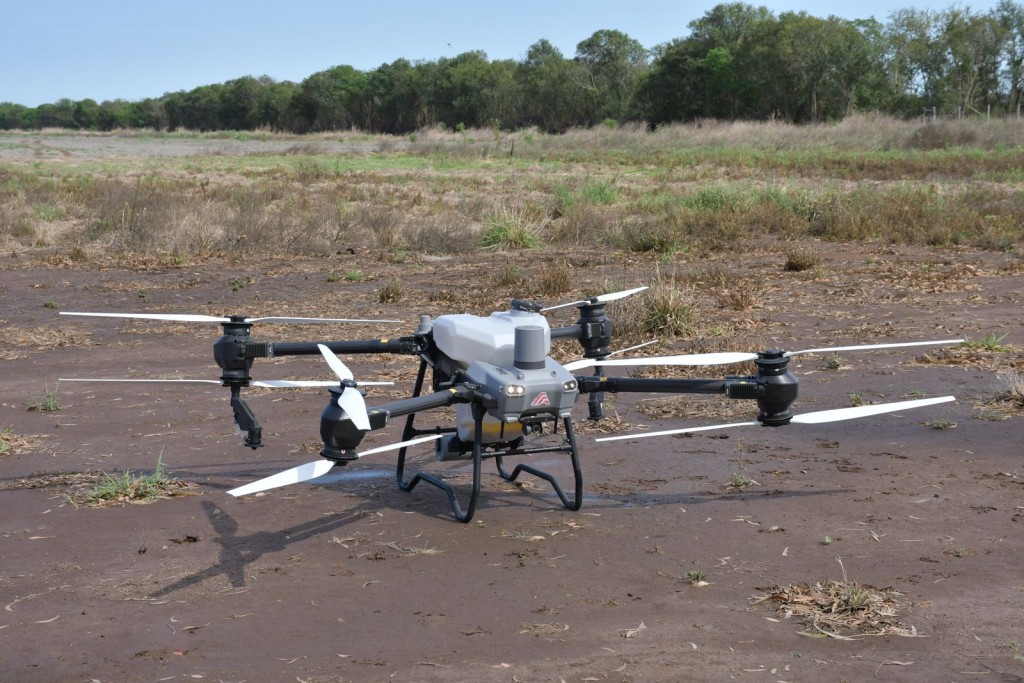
515 390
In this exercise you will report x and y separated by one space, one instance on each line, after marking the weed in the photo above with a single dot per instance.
48 402
510 229
555 279
990 342
800 259
941 423
695 575
518 535
665 310
741 298
833 362
129 487
856 398
6 440
333 277
508 276
599 192
391 292
412 550
827 540
1018 653
50 304
738 478
1011 388
238 283
354 276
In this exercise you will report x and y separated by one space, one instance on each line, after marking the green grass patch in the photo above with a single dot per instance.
132 487
510 229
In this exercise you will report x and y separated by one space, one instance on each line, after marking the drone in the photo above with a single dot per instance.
506 389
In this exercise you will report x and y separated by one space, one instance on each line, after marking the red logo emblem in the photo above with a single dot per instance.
541 400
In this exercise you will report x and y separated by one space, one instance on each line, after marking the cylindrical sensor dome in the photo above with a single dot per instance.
529 351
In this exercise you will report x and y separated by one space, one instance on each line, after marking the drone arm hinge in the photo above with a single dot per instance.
258 350
246 420
743 388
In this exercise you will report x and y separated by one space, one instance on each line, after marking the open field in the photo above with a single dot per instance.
882 549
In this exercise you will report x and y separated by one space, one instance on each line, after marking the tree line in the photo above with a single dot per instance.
739 61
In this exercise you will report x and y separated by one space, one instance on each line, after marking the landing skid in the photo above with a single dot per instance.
464 515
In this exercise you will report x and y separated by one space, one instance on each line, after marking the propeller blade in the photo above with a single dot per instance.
697 359
169 381
603 298
839 414
868 347
351 401
315 320
291 383
312 470
338 367
729 357
262 384
633 348
669 432
818 417
198 318
174 317
400 444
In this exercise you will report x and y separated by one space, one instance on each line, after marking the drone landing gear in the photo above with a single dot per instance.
577 500
478 455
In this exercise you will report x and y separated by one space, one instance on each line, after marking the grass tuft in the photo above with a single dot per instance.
510 229
391 292
48 401
130 487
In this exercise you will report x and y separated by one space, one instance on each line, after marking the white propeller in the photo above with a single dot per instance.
197 318
263 384
350 400
686 359
603 298
312 470
869 347
728 357
819 417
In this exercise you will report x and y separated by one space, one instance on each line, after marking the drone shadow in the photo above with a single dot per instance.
237 552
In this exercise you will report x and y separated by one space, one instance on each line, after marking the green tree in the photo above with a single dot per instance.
611 66
549 89
334 99
1010 16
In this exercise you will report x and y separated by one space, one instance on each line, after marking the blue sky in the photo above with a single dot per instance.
113 49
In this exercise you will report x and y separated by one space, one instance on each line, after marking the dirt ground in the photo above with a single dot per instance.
351 579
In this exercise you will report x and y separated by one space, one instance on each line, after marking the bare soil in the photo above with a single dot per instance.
350 579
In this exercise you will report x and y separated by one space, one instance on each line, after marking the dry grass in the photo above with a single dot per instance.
43 338
680 189
843 609
1010 390
11 443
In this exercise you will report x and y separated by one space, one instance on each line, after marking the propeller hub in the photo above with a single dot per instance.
777 388
596 330
340 436
525 305
229 350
